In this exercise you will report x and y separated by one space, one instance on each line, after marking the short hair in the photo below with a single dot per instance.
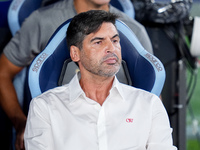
85 23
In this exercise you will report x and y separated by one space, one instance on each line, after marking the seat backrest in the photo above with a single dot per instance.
19 10
143 69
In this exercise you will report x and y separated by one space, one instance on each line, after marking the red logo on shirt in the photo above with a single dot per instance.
129 120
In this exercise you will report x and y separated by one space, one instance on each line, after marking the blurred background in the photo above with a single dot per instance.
193 109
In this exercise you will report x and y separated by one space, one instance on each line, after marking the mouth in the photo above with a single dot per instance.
111 60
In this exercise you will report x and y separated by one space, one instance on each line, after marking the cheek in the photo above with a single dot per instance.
89 55
118 51
93 52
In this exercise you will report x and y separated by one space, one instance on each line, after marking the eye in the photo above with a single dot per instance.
98 42
116 41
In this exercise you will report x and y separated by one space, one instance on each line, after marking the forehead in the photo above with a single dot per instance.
106 29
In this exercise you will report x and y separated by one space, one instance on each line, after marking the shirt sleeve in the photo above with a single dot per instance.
160 136
25 45
38 135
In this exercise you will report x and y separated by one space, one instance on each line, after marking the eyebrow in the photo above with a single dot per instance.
101 38
116 35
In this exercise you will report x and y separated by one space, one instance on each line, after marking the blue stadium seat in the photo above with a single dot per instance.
142 69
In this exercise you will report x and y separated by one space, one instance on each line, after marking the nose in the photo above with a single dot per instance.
110 46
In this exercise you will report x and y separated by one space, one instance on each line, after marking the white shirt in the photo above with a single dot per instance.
65 119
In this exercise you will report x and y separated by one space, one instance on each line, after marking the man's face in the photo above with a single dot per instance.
101 51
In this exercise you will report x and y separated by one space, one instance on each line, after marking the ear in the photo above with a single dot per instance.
75 53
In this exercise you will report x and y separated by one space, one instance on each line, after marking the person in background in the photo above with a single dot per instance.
96 111
32 38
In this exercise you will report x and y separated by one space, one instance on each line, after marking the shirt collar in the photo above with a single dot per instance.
76 90
117 87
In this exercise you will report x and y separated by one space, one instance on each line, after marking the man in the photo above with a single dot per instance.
95 111
32 39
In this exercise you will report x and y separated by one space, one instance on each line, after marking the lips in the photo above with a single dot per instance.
111 60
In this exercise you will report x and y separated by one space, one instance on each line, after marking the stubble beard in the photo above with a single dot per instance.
101 68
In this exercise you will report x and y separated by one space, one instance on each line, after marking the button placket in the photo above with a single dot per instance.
101 129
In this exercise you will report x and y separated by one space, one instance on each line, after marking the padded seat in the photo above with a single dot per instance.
144 70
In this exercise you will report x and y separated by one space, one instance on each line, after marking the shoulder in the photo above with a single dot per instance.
60 8
137 94
54 95
57 5
44 14
136 97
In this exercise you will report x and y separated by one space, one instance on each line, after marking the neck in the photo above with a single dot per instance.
96 88
86 5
